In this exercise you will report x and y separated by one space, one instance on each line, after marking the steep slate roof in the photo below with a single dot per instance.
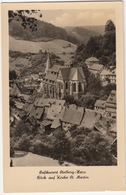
96 67
100 103
73 116
74 73
65 73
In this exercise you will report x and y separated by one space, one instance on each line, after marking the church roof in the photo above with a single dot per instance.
74 73
65 73
55 68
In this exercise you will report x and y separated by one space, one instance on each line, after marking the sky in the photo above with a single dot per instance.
76 17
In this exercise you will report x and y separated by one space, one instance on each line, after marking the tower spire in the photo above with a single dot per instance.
48 64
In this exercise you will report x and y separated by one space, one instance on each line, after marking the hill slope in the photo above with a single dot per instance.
56 46
83 34
44 29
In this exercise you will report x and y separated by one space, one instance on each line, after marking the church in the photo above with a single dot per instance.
61 81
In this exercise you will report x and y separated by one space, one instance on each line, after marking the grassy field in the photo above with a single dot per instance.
56 46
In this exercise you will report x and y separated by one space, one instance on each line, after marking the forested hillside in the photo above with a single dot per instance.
81 33
44 29
102 46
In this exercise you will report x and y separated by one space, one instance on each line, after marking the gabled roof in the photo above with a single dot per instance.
100 103
55 68
91 59
96 67
65 73
51 76
90 118
28 107
53 111
76 73
56 123
36 112
107 72
112 98
41 102
73 116
15 91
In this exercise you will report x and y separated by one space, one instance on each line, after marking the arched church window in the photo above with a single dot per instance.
74 87
66 85
80 86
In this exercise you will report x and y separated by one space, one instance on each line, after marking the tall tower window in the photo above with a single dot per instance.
80 86
66 85
74 87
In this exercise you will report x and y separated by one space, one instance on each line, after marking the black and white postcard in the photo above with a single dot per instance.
63 96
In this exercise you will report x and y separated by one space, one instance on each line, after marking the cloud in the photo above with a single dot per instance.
83 18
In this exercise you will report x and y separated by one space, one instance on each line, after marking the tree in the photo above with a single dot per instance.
93 150
12 75
61 147
87 101
69 99
22 15
93 84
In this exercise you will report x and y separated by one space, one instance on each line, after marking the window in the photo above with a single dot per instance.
80 86
66 85
74 87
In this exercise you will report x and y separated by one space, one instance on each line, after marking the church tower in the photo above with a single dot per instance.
48 64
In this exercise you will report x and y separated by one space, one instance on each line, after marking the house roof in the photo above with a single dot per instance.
46 123
110 105
100 103
53 111
73 116
91 59
96 67
41 102
26 97
36 112
56 123
14 91
90 118
28 107
19 104
114 128
112 98
107 72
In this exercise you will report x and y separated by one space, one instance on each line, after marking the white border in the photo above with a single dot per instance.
1 159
